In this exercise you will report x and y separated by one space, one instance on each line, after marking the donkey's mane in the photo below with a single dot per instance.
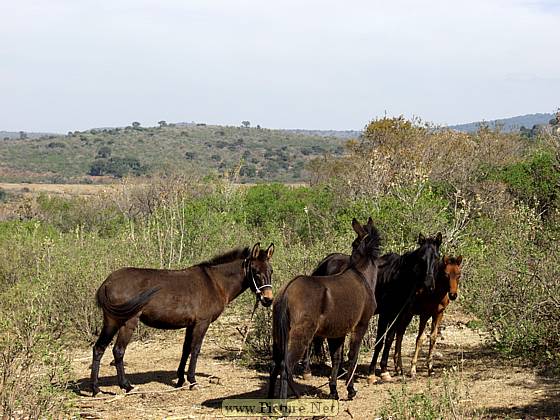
227 257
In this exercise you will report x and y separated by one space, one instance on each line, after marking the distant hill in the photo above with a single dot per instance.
92 155
341 134
11 135
507 124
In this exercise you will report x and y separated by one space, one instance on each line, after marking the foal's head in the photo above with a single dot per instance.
429 255
258 273
452 273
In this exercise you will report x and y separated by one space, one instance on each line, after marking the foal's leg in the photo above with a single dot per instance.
436 321
110 328
353 352
199 331
336 346
419 340
184 356
125 333
379 341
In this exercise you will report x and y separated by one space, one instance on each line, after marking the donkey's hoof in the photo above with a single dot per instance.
351 394
95 390
333 396
386 377
194 387
371 379
307 376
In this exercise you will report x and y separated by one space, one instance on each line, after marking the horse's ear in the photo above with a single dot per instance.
255 251
459 259
421 239
270 251
439 238
358 228
370 221
445 259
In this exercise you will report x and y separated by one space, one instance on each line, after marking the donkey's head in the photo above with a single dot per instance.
452 273
428 253
258 273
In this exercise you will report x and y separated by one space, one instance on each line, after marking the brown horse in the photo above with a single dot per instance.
172 299
399 278
329 307
429 305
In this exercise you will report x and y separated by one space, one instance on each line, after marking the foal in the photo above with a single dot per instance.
329 307
429 305
172 299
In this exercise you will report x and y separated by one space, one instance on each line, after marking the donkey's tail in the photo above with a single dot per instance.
126 310
280 331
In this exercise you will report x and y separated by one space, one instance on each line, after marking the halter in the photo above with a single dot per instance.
248 269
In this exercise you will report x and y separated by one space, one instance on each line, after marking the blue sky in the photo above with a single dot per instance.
67 65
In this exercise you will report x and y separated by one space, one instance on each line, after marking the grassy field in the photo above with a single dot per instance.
499 210
247 154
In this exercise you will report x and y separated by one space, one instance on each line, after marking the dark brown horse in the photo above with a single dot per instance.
429 305
399 278
172 299
329 307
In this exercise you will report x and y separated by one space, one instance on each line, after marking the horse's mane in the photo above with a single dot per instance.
229 256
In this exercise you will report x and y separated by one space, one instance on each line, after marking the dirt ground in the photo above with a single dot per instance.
492 387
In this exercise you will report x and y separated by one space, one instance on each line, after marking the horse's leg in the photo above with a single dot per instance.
353 352
401 329
307 364
336 346
184 356
199 331
436 321
379 341
300 338
110 328
385 375
419 340
276 370
125 333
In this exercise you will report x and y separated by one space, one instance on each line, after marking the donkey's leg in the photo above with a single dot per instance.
125 333
110 328
276 370
336 346
419 340
307 364
184 356
379 341
436 321
199 331
353 352
401 329
300 338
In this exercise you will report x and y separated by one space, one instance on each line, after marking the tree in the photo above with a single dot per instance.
104 152
135 125
162 123
246 123
22 135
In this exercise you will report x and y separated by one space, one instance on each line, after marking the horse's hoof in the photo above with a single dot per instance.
95 390
180 383
386 377
127 387
371 379
333 396
307 376
194 387
351 394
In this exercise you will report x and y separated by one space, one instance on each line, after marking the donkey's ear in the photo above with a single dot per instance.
270 251
459 259
439 238
255 251
358 228
421 239
370 221
445 259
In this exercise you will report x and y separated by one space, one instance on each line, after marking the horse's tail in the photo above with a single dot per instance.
126 310
280 331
